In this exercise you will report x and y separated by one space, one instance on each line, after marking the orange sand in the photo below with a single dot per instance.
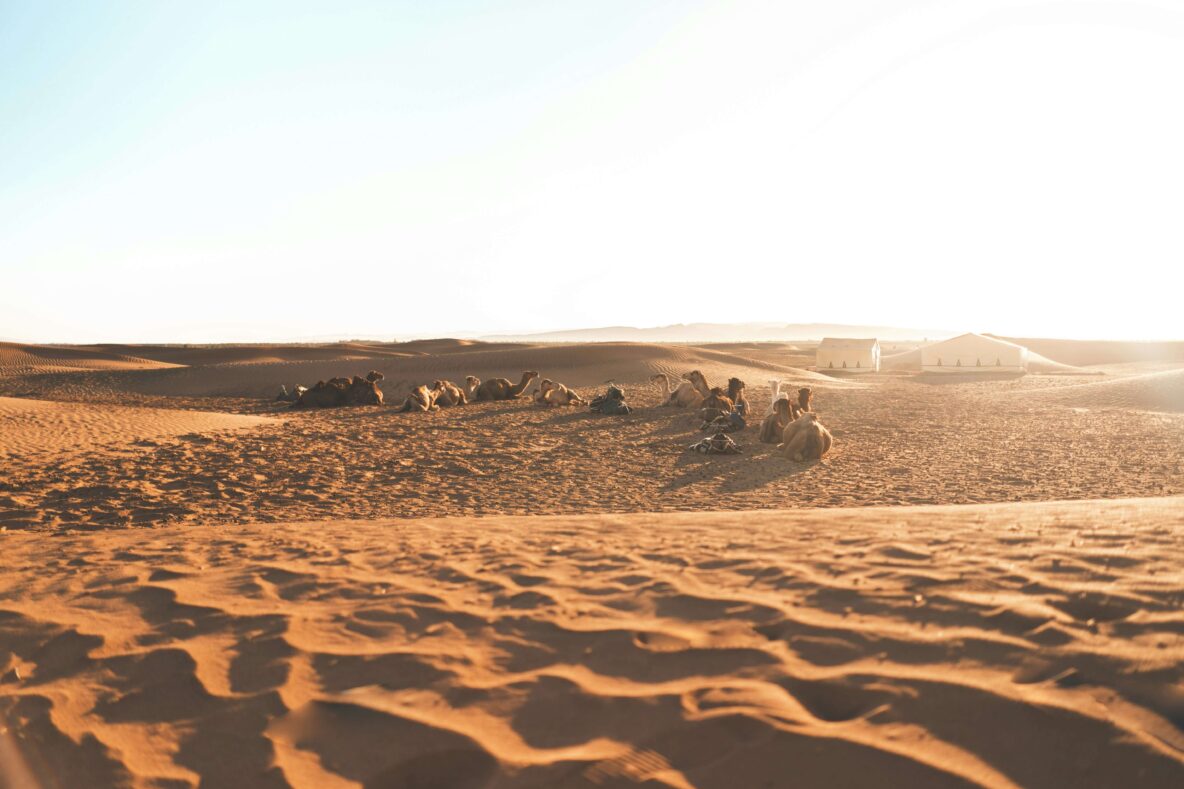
1035 645
279 628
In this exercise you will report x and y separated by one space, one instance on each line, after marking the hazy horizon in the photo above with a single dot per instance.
252 172
666 333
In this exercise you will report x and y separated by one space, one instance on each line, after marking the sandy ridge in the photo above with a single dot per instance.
588 365
41 429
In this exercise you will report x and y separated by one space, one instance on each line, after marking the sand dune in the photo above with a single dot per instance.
577 365
1087 353
1158 391
22 359
37 428
899 440
1035 645
195 355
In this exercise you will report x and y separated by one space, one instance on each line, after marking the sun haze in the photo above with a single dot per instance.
277 170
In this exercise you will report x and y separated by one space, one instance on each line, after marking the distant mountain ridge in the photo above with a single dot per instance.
726 332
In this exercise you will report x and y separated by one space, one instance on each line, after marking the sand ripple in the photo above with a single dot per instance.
41 428
1035 645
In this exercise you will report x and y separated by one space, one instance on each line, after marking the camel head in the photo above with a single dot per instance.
699 381
781 407
374 375
735 387
472 380
527 377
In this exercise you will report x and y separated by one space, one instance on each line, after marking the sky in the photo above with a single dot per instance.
265 171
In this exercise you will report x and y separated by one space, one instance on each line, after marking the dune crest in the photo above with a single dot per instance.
40 428
23 359
1161 391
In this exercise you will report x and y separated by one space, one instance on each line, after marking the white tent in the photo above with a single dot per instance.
974 353
854 356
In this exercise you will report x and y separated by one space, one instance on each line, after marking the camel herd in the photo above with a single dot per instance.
446 394
793 426
337 391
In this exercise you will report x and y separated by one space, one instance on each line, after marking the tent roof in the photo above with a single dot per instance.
848 343
979 337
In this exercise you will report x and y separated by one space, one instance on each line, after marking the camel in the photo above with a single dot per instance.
342 391
449 394
472 384
804 403
364 391
736 395
717 399
502 389
699 381
775 393
685 396
774 425
323 394
554 393
805 438
421 399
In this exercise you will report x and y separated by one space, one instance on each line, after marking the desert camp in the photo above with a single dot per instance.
850 355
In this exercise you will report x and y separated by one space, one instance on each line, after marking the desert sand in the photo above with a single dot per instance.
39 428
900 438
993 645
507 595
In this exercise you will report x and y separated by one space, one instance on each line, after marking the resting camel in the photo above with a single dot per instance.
685 396
421 399
774 425
555 393
736 395
342 391
502 389
804 403
448 394
472 384
805 438
774 392
699 381
717 399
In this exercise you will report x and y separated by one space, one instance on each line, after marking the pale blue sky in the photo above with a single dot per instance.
263 171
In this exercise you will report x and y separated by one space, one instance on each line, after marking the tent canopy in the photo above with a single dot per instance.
974 352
